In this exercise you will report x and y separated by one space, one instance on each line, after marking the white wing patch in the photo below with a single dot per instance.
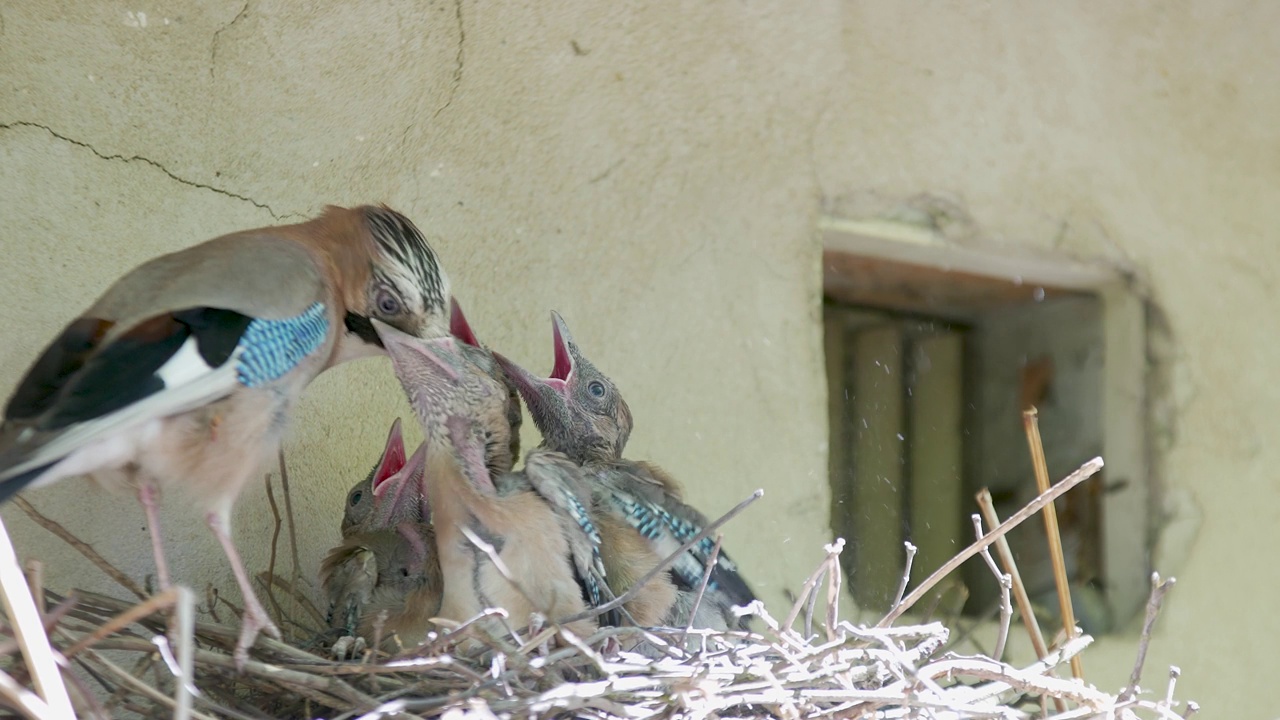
198 390
185 365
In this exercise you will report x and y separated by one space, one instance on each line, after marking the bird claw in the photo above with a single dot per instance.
255 621
610 646
348 646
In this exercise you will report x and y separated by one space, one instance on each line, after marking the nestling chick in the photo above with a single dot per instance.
626 555
379 567
499 457
387 559
184 373
535 522
581 413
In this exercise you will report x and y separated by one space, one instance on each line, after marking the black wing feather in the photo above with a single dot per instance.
609 618
14 485
126 371
217 331
732 583
64 357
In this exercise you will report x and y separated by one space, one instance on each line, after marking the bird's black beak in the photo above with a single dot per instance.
361 327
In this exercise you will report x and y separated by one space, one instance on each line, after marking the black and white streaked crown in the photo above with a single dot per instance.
401 242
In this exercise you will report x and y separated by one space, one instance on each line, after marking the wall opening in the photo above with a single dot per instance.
932 353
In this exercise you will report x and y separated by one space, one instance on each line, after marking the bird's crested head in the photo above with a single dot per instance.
405 285
578 409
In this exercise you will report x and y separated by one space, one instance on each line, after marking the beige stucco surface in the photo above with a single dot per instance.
656 171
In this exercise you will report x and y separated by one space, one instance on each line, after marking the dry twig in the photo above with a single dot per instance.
80 546
1085 472
277 524
906 575
988 508
293 531
29 630
1006 584
702 587
1158 590
1032 427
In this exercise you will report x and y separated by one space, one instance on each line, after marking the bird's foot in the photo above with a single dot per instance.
349 646
255 621
610 646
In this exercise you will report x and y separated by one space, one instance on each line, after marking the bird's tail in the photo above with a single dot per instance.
15 484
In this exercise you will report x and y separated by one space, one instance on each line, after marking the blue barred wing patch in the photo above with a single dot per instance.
582 518
589 529
269 349
655 523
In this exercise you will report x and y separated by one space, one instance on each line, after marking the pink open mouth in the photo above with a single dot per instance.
393 459
458 325
562 370
407 478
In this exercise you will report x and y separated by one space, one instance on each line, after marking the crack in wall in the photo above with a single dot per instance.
459 60
607 172
213 44
148 161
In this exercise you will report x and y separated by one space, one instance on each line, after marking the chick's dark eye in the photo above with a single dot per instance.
388 303
355 497
596 388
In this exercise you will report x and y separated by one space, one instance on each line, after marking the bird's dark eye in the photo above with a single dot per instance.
596 388
388 303
355 497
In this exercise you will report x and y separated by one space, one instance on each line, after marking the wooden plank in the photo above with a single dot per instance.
878 500
917 246
1125 521
936 407
920 289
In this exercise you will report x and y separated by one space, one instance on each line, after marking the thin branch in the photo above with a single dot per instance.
51 620
81 546
1006 584
1159 589
1025 609
1085 472
185 677
128 617
812 602
702 588
299 597
255 668
35 580
132 681
23 700
293 531
275 539
494 558
834 582
906 575
1032 426
21 610
806 591
1042 667
1174 673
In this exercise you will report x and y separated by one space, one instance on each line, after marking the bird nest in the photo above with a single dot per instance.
111 658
